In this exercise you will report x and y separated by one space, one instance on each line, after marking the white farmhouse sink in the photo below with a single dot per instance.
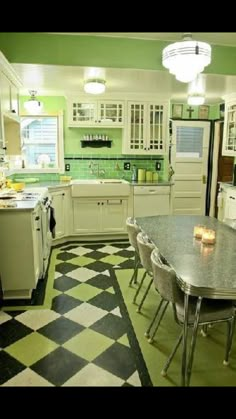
99 187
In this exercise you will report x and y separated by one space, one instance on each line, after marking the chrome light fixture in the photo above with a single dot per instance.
186 59
33 106
95 86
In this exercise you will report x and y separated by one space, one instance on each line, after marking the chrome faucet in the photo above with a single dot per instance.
99 171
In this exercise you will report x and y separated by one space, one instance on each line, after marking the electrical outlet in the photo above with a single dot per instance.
127 166
158 166
67 167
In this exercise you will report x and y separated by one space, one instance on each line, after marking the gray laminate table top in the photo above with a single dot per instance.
203 270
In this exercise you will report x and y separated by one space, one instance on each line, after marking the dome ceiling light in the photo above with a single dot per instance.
95 86
196 91
33 106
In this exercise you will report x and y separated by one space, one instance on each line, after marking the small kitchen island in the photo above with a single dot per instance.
25 241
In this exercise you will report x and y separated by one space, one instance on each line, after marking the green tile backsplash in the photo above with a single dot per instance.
113 166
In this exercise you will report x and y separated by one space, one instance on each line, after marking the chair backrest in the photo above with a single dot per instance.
145 247
133 229
165 279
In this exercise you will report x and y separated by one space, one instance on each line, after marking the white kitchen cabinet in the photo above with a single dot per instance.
151 200
61 203
146 130
21 256
99 215
229 134
9 109
84 113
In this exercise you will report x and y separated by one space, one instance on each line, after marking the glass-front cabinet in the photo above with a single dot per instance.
95 113
146 128
229 135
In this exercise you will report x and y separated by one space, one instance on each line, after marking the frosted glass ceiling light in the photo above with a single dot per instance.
33 106
196 99
196 90
187 58
95 86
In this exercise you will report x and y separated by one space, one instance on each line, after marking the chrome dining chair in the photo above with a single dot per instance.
212 311
145 248
133 229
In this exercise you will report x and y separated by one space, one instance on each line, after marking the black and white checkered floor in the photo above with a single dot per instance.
85 338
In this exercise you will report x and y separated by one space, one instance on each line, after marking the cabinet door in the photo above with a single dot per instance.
86 216
156 133
111 113
229 135
5 87
114 214
12 138
14 99
136 129
37 244
2 138
58 203
82 113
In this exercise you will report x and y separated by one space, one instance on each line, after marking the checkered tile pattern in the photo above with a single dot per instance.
85 338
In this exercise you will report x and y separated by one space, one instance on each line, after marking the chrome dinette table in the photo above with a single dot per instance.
203 271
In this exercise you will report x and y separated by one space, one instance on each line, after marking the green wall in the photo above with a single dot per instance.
44 48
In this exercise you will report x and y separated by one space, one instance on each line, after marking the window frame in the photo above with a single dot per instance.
60 146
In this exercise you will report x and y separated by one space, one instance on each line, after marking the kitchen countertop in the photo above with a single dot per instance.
58 184
48 184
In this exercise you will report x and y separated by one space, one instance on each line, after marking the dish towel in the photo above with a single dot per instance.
52 222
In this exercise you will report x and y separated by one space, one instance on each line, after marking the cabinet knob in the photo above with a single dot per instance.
37 229
63 194
102 203
37 218
98 203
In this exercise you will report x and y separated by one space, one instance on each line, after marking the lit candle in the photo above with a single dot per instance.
208 236
198 231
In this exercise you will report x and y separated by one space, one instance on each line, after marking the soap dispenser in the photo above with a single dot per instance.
134 173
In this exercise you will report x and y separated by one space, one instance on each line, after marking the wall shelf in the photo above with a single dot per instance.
96 143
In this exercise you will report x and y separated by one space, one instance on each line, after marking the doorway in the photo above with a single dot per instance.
189 159
222 168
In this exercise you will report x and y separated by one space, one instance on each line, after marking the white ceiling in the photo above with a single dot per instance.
68 80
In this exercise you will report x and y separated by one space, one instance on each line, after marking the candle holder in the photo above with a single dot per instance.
208 236
198 231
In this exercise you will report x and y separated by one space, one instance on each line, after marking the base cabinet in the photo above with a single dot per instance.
99 215
61 205
152 200
21 258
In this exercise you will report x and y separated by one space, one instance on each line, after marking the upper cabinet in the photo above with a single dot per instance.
146 130
229 135
84 113
9 109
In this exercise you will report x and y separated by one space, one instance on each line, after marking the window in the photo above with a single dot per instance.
42 142
189 142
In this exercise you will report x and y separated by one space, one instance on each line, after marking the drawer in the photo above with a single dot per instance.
151 190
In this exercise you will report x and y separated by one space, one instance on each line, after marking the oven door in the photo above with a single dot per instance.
46 236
